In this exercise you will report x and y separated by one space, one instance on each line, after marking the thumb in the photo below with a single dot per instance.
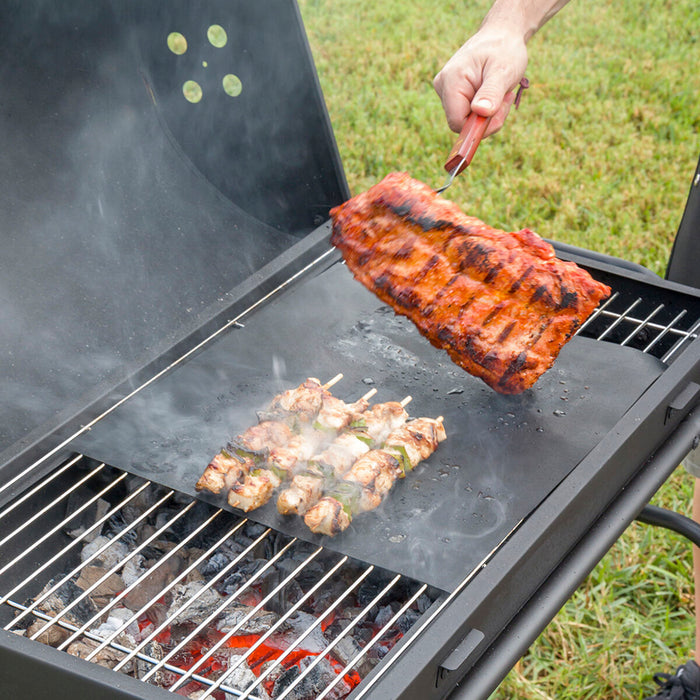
488 98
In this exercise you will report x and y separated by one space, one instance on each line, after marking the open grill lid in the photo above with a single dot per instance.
129 211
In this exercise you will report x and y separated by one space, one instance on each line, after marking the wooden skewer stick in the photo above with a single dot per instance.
333 381
368 395
403 403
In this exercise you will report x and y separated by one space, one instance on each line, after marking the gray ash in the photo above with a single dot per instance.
258 618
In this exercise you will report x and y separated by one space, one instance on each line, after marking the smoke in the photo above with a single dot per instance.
115 243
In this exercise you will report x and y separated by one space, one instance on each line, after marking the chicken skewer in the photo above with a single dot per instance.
257 486
286 410
373 475
301 404
335 461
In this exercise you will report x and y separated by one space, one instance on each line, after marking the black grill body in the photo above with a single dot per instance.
151 239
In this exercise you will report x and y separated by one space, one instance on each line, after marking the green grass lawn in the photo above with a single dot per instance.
600 155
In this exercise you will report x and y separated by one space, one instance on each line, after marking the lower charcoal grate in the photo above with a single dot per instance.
154 584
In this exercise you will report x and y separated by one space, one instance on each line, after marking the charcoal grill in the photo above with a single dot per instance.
121 385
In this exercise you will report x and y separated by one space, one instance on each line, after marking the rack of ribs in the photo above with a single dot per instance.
501 304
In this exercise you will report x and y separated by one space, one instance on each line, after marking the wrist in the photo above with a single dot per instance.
522 18
513 25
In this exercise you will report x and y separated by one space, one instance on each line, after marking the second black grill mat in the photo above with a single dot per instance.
503 454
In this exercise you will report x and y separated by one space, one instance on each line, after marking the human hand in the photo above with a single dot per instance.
481 76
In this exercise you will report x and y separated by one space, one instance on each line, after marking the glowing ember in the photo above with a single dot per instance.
202 603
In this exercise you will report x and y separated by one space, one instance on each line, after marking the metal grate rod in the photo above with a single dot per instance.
48 507
278 661
55 529
187 603
271 630
597 312
7 484
218 610
619 319
215 613
222 606
154 599
374 640
166 557
343 634
642 325
112 570
41 485
427 619
666 329
692 334
248 616
120 648
70 546
96 554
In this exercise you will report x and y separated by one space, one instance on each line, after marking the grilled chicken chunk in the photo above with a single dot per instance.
501 304
371 478
327 517
255 490
341 454
415 441
260 438
301 447
223 472
333 415
256 441
379 420
372 427
376 473
304 491
301 404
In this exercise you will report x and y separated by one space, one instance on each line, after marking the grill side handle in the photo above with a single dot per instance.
461 654
687 398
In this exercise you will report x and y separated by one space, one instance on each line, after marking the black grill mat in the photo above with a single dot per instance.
503 454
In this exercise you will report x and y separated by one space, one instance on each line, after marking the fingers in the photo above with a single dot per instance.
456 91
500 115
480 77
492 94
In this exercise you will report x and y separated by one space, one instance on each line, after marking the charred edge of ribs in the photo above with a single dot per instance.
501 304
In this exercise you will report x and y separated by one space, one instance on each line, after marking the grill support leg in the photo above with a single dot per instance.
682 524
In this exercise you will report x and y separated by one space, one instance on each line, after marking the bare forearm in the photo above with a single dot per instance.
523 17
481 74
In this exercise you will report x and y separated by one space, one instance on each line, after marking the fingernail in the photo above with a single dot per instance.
485 104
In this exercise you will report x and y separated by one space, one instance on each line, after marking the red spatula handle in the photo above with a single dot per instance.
467 143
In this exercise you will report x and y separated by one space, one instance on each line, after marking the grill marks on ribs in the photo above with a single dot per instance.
501 304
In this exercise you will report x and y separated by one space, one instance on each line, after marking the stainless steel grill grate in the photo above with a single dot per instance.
329 620
653 328
127 574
